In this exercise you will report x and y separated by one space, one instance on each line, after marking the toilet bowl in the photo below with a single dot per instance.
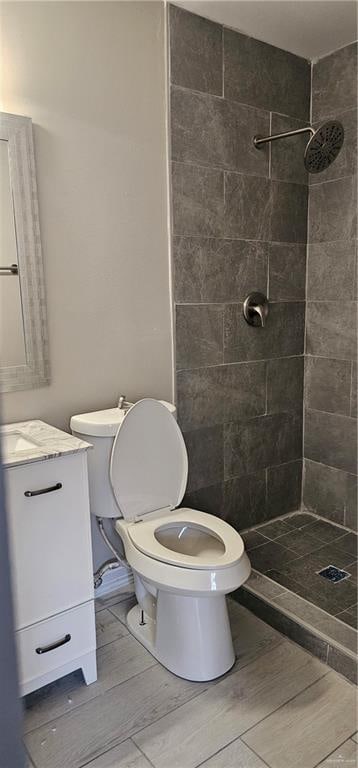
184 561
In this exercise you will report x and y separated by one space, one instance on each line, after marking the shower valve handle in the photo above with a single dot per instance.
255 309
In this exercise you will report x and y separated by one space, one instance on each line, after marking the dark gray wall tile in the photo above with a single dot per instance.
258 209
210 269
287 154
212 131
284 489
328 385
326 491
288 223
208 396
331 329
199 334
285 384
333 210
331 269
283 334
261 442
346 162
268 77
334 82
331 439
245 500
354 391
209 499
205 456
287 272
198 200
247 207
195 51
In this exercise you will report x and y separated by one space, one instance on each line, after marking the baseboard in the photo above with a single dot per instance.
120 578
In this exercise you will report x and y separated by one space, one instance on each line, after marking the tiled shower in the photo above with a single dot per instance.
330 482
240 218
268 414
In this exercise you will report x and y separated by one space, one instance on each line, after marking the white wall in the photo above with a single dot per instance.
91 75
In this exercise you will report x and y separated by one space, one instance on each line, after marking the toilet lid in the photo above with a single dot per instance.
149 463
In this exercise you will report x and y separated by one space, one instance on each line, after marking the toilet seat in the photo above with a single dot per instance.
225 549
149 462
148 473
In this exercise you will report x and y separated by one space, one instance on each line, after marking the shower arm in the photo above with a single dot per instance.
258 140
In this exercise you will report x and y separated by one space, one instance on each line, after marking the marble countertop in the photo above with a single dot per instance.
49 443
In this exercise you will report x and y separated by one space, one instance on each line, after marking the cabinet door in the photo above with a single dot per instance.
50 541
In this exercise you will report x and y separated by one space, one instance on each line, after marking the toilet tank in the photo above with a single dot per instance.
99 428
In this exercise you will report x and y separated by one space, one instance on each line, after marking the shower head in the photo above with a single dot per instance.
323 146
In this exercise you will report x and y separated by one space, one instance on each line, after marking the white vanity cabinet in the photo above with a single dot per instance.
51 565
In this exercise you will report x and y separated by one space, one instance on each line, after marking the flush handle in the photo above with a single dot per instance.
255 309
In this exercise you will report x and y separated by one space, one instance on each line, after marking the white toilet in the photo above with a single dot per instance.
184 561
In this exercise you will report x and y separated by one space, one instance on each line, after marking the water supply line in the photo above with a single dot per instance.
108 565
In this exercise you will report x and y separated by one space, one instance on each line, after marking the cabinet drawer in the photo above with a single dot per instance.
50 539
55 642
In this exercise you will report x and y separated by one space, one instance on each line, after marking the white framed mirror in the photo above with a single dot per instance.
24 356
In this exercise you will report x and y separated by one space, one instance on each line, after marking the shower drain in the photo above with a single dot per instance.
332 573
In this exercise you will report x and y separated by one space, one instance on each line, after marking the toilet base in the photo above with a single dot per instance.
191 636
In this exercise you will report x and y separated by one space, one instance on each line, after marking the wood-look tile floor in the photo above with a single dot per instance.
279 707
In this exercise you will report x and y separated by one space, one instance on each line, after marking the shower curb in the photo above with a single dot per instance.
325 648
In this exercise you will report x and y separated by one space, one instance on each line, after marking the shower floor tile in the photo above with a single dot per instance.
301 545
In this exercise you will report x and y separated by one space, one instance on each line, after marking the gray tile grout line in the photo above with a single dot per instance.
316 765
214 683
226 170
241 362
331 413
321 464
351 393
194 236
237 738
107 751
28 754
143 753
290 699
83 703
265 112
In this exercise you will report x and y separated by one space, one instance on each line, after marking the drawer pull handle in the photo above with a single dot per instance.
47 648
43 490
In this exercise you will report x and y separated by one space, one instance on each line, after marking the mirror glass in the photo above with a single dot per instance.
24 354
12 336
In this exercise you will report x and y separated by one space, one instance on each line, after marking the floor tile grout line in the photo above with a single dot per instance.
214 683
28 754
93 698
237 738
143 753
321 677
107 751
316 765
120 620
